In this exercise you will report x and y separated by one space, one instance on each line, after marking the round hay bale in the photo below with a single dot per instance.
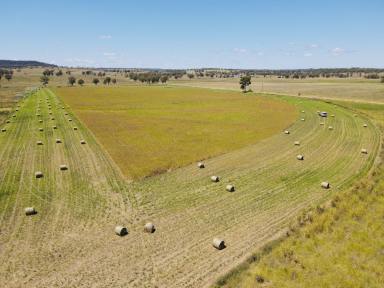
325 185
230 188
58 140
149 228
286 132
8 121
65 113
302 119
332 115
121 231
83 142
300 157
215 178
39 142
39 174
17 110
365 125
3 130
200 165
321 123
218 243
38 115
62 107
40 121
70 120
30 211
364 151
50 113
297 143
330 128
302 111
53 118
13 116
74 128
41 129
54 127
63 167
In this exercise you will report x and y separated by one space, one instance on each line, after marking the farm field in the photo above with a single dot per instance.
349 232
353 89
70 242
148 130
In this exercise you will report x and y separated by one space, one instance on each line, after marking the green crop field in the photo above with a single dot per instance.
71 242
148 130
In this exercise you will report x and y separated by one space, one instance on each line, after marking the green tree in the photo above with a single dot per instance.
382 79
8 76
245 81
164 78
95 81
107 80
190 76
71 80
44 79
80 82
59 73
114 81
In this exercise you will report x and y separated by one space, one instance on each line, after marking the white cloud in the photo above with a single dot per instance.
104 37
337 51
79 61
314 46
289 53
109 54
240 50
308 54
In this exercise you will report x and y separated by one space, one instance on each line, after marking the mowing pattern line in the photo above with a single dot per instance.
70 242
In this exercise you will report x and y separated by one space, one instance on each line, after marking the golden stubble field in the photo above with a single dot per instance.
148 130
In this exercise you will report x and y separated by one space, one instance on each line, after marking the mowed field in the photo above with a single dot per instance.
148 130
348 233
350 89
71 243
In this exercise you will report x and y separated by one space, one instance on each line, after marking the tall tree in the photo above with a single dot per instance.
245 81
107 80
80 82
8 76
44 79
95 81
71 80
164 78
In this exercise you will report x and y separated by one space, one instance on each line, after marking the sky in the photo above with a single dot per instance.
274 34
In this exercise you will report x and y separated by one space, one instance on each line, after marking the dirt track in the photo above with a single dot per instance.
70 242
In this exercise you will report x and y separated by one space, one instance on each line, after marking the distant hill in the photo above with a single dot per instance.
23 63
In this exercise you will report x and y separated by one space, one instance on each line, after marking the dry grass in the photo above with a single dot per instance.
148 130
71 241
354 89
340 246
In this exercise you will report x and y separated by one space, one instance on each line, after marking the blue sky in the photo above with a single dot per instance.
188 34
